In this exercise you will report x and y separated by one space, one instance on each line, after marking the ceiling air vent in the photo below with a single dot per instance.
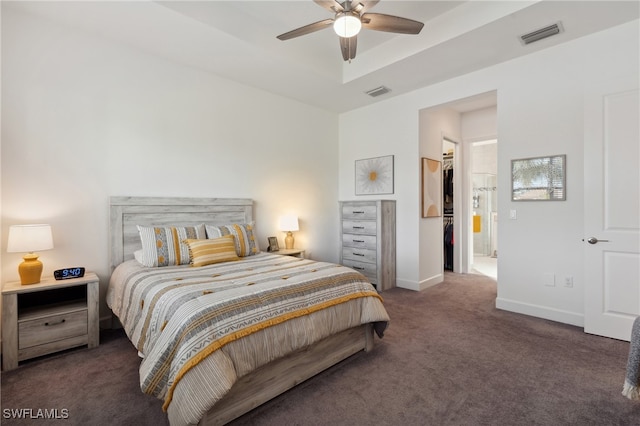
378 91
545 32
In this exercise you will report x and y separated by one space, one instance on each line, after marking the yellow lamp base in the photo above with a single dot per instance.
30 270
288 240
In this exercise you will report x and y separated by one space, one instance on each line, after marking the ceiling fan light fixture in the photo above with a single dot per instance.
348 18
347 24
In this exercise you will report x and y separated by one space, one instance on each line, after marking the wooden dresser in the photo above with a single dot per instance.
368 236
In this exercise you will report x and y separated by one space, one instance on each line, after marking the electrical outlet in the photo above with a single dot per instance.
568 281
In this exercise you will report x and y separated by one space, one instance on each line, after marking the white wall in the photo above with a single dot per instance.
85 119
540 112
480 124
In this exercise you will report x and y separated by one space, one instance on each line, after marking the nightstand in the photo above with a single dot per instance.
51 316
290 252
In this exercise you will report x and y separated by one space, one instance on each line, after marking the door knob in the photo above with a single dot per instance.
594 240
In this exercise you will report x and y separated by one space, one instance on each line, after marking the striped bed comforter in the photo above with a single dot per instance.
200 329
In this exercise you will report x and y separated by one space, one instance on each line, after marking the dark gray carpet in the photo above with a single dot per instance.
448 358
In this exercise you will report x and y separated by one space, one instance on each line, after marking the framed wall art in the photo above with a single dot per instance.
374 176
431 188
539 179
273 244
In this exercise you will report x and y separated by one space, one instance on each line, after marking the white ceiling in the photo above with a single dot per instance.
237 40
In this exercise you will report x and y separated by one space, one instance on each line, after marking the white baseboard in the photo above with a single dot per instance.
558 315
421 285
409 285
430 282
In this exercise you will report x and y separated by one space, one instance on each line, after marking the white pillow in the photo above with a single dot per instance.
137 255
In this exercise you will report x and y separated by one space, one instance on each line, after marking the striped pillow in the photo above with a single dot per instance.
246 244
216 250
165 246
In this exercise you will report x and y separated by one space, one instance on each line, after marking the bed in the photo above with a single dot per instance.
219 339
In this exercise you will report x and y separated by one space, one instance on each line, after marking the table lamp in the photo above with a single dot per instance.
288 224
29 238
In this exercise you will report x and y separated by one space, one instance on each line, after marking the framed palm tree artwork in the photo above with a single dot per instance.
539 179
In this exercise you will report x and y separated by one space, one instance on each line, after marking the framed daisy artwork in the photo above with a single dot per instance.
374 176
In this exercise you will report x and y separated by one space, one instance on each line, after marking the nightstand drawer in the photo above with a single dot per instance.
350 211
359 255
46 329
367 227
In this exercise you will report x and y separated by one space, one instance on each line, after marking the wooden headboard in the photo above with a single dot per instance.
127 212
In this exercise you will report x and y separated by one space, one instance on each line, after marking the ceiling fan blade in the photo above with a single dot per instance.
390 23
316 26
368 4
348 47
331 5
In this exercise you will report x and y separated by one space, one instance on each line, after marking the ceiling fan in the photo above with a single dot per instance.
350 17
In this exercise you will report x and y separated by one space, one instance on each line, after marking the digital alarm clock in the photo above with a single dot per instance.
66 273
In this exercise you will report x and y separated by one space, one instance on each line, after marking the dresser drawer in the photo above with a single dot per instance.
367 227
369 270
350 211
47 329
359 241
359 255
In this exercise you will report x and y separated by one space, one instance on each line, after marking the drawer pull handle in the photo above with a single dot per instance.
57 323
358 212
358 268
358 254
358 227
358 241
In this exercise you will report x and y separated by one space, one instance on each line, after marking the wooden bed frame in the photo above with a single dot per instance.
270 380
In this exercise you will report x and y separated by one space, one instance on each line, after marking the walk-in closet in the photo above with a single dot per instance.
447 203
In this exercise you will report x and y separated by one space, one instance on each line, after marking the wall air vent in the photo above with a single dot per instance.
545 32
378 91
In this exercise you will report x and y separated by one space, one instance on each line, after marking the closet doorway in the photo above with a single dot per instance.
449 204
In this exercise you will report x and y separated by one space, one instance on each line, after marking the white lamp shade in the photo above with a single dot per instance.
289 223
347 25
29 238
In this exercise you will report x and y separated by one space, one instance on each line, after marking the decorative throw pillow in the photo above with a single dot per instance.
246 244
165 246
216 250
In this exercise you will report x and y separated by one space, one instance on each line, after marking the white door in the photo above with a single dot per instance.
612 208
